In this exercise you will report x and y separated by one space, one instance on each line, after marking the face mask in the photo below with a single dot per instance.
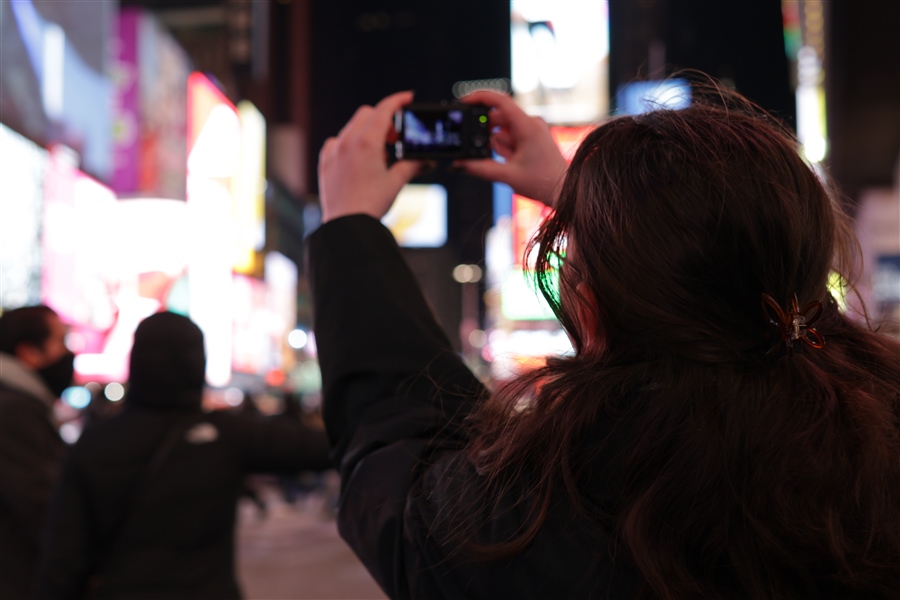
58 375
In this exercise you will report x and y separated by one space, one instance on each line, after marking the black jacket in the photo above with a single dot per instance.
395 397
180 544
31 453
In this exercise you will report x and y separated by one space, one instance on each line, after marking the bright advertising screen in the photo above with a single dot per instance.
254 347
77 245
214 154
22 166
418 217
281 281
151 72
560 59
249 188
139 260
54 84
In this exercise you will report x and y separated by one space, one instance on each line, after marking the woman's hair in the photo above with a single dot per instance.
738 472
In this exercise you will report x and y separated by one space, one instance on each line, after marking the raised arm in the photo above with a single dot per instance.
394 390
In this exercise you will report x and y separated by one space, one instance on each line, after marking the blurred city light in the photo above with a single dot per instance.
76 397
418 217
462 88
114 391
233 396
478 338
467 273
297 339
70 432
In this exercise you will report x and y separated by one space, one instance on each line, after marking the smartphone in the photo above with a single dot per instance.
442 131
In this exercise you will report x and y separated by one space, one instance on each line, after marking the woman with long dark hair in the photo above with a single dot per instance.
722 429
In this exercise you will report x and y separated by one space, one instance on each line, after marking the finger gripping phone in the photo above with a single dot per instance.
442 131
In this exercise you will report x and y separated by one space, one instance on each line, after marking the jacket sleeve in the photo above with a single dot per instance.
30 455
280 444
393 387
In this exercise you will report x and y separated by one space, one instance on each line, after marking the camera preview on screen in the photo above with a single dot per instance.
452 131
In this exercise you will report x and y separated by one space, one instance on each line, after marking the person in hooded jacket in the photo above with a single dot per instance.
146 504
35 368
721 430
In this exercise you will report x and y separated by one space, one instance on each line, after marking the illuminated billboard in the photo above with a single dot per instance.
560 59
139 267
253 349
76 245
214 148
54 86
418 217
804 32
281 280
150 76
214 132
249 189
22 166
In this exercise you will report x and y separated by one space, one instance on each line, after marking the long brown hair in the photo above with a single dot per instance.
742 474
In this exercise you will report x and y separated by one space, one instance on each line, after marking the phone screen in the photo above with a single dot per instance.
432 130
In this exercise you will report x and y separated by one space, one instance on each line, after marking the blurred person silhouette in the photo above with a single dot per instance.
249 406
297 485
146 504
35 368
721 430
252 484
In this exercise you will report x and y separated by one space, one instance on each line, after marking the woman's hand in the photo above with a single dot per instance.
353 174
534 165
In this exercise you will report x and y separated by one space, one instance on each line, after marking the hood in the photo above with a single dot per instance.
16 375
168 362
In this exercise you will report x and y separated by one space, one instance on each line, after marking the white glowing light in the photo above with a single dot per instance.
75 342
70 432
209 267
233 396
216 153
114 392
815 148
249 184
418 217
108 282
467 273
297 339
21 203
559 54
54 61
811 129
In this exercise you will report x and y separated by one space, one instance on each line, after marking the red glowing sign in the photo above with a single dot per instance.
528 214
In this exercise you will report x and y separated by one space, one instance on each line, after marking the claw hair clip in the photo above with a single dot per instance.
794 324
